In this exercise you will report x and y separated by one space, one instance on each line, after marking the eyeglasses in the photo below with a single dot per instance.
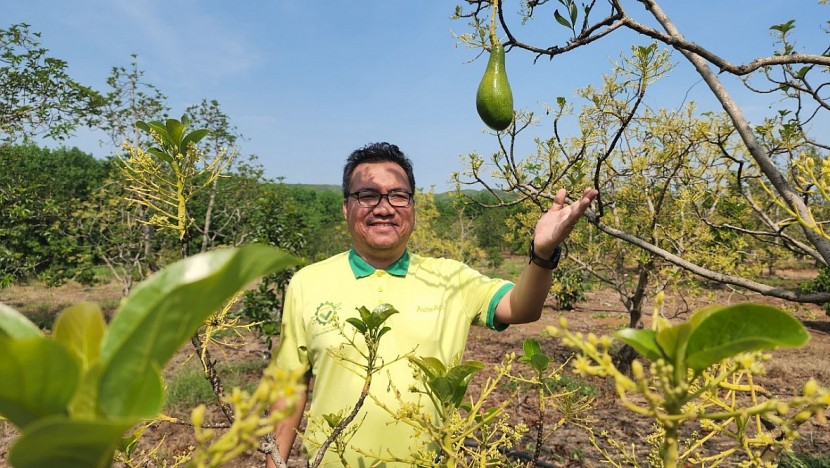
372 198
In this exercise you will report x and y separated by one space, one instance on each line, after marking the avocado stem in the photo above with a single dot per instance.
493 23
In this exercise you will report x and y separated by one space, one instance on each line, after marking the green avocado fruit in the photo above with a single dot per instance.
494 99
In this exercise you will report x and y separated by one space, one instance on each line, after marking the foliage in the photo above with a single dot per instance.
370 326
568 288
39 192
682 191
87 383
292 218
821 283
252 421
794 460
466 433
37 96
702 370
130 99
165 177
552 392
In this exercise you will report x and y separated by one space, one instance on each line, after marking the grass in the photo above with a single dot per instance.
42 304
567 383
188 388
795 460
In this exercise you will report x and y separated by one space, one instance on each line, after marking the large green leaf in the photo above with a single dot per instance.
15 325
37 378
673 341
166 309
531 347
59 442
141 398
79 328
730 330
175 131
643 341
84 404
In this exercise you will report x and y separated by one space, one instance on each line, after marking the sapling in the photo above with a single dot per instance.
702 371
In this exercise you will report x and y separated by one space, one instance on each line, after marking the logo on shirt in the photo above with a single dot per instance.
428 309
325 311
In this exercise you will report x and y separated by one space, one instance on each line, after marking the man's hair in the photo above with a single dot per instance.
375 153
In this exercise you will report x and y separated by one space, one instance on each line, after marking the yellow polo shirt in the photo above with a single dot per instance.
437 300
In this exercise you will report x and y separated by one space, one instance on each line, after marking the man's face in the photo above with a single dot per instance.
379 233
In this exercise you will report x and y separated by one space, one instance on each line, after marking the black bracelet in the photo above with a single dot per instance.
549 263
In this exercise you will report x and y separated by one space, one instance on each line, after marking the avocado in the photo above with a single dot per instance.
494 99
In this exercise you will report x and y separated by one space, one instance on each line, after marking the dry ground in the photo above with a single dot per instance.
600 313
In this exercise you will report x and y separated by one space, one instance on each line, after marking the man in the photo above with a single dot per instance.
437 300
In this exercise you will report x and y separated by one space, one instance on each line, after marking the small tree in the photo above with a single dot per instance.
757 163
37 96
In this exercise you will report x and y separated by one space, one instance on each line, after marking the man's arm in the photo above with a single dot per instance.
285 430
524 302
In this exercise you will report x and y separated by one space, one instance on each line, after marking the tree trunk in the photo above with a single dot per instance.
208 215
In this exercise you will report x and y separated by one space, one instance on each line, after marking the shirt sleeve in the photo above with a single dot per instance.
292 352
482 294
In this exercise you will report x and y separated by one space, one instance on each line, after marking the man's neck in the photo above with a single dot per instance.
380 262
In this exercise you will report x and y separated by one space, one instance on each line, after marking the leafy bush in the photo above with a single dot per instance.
820 284
568 288
263 305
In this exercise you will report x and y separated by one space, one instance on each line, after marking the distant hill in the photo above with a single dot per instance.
336 188
318 187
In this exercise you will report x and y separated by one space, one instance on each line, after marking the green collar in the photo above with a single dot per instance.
361 269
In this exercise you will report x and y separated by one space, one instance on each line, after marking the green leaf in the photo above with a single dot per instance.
432 367
442 388
728 331
39 377
561 19
573 12
383 312
84 404
540 362
142 126
79 329
158 130
15 325
783 27
462 373
175 131
333 419
59 442
193 137
459 377
364 313
531 347
357 323
161 155
673 341
643 341
142 398
166 309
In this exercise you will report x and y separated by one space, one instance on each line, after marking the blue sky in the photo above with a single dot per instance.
307 82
